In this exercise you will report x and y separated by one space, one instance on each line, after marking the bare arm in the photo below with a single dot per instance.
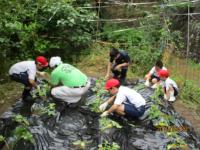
44 75
113 108
108 69
124 65
33 83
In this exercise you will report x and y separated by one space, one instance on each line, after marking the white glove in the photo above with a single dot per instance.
103 106
104 114
147 83
165 96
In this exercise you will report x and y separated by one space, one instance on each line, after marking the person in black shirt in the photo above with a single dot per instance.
118 64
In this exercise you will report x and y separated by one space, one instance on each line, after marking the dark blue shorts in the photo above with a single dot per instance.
131 111
21 78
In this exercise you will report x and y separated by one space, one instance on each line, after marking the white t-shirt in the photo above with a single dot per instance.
169 82
125 93
154 72
24 66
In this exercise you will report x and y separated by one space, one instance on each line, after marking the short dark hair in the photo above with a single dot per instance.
114 52
159 64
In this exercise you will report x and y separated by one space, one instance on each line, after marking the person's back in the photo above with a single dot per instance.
24 66
68 75
127 95
69 83
123 57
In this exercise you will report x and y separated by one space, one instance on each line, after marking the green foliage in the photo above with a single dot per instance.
176 141
108 146
190 93
106 123
2 138
142 44
29 28
22 132
41 91
50 109
99 90
21 120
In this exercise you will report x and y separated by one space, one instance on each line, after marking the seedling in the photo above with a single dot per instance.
50 109
21 120
80 144
41 91
108 146
3 139
177 142
94 106
106 123
22 132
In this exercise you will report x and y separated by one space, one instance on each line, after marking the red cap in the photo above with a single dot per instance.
111 83
42 61
163 73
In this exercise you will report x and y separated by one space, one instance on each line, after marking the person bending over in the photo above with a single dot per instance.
125 101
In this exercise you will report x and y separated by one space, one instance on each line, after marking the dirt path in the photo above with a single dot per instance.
189 114
9 93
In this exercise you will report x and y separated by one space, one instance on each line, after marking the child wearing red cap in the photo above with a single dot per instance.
127 102
24 72
170 87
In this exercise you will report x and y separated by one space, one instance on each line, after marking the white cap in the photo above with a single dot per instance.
55 61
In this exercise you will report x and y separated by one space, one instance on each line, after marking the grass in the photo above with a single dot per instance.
187 76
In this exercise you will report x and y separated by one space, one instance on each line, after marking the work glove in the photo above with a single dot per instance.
147 83
104 114
103 106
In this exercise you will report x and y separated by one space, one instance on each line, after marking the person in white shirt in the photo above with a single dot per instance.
127 102
152 78
170 87
25 72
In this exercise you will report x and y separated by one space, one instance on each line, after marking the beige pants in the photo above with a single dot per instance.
70 95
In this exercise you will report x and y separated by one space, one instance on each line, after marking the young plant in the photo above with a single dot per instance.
80 144
106 123
176 141
50 109
21 120
3 139
41 91
22 132
107 146
99 90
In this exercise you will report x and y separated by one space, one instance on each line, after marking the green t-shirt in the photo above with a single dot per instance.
68 75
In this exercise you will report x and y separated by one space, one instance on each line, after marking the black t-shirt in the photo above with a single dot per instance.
123 58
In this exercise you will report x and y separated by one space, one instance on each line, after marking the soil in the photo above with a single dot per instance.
9 93
189 114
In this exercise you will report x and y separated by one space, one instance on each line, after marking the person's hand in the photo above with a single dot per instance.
104 114
118 67
103 106
107 76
